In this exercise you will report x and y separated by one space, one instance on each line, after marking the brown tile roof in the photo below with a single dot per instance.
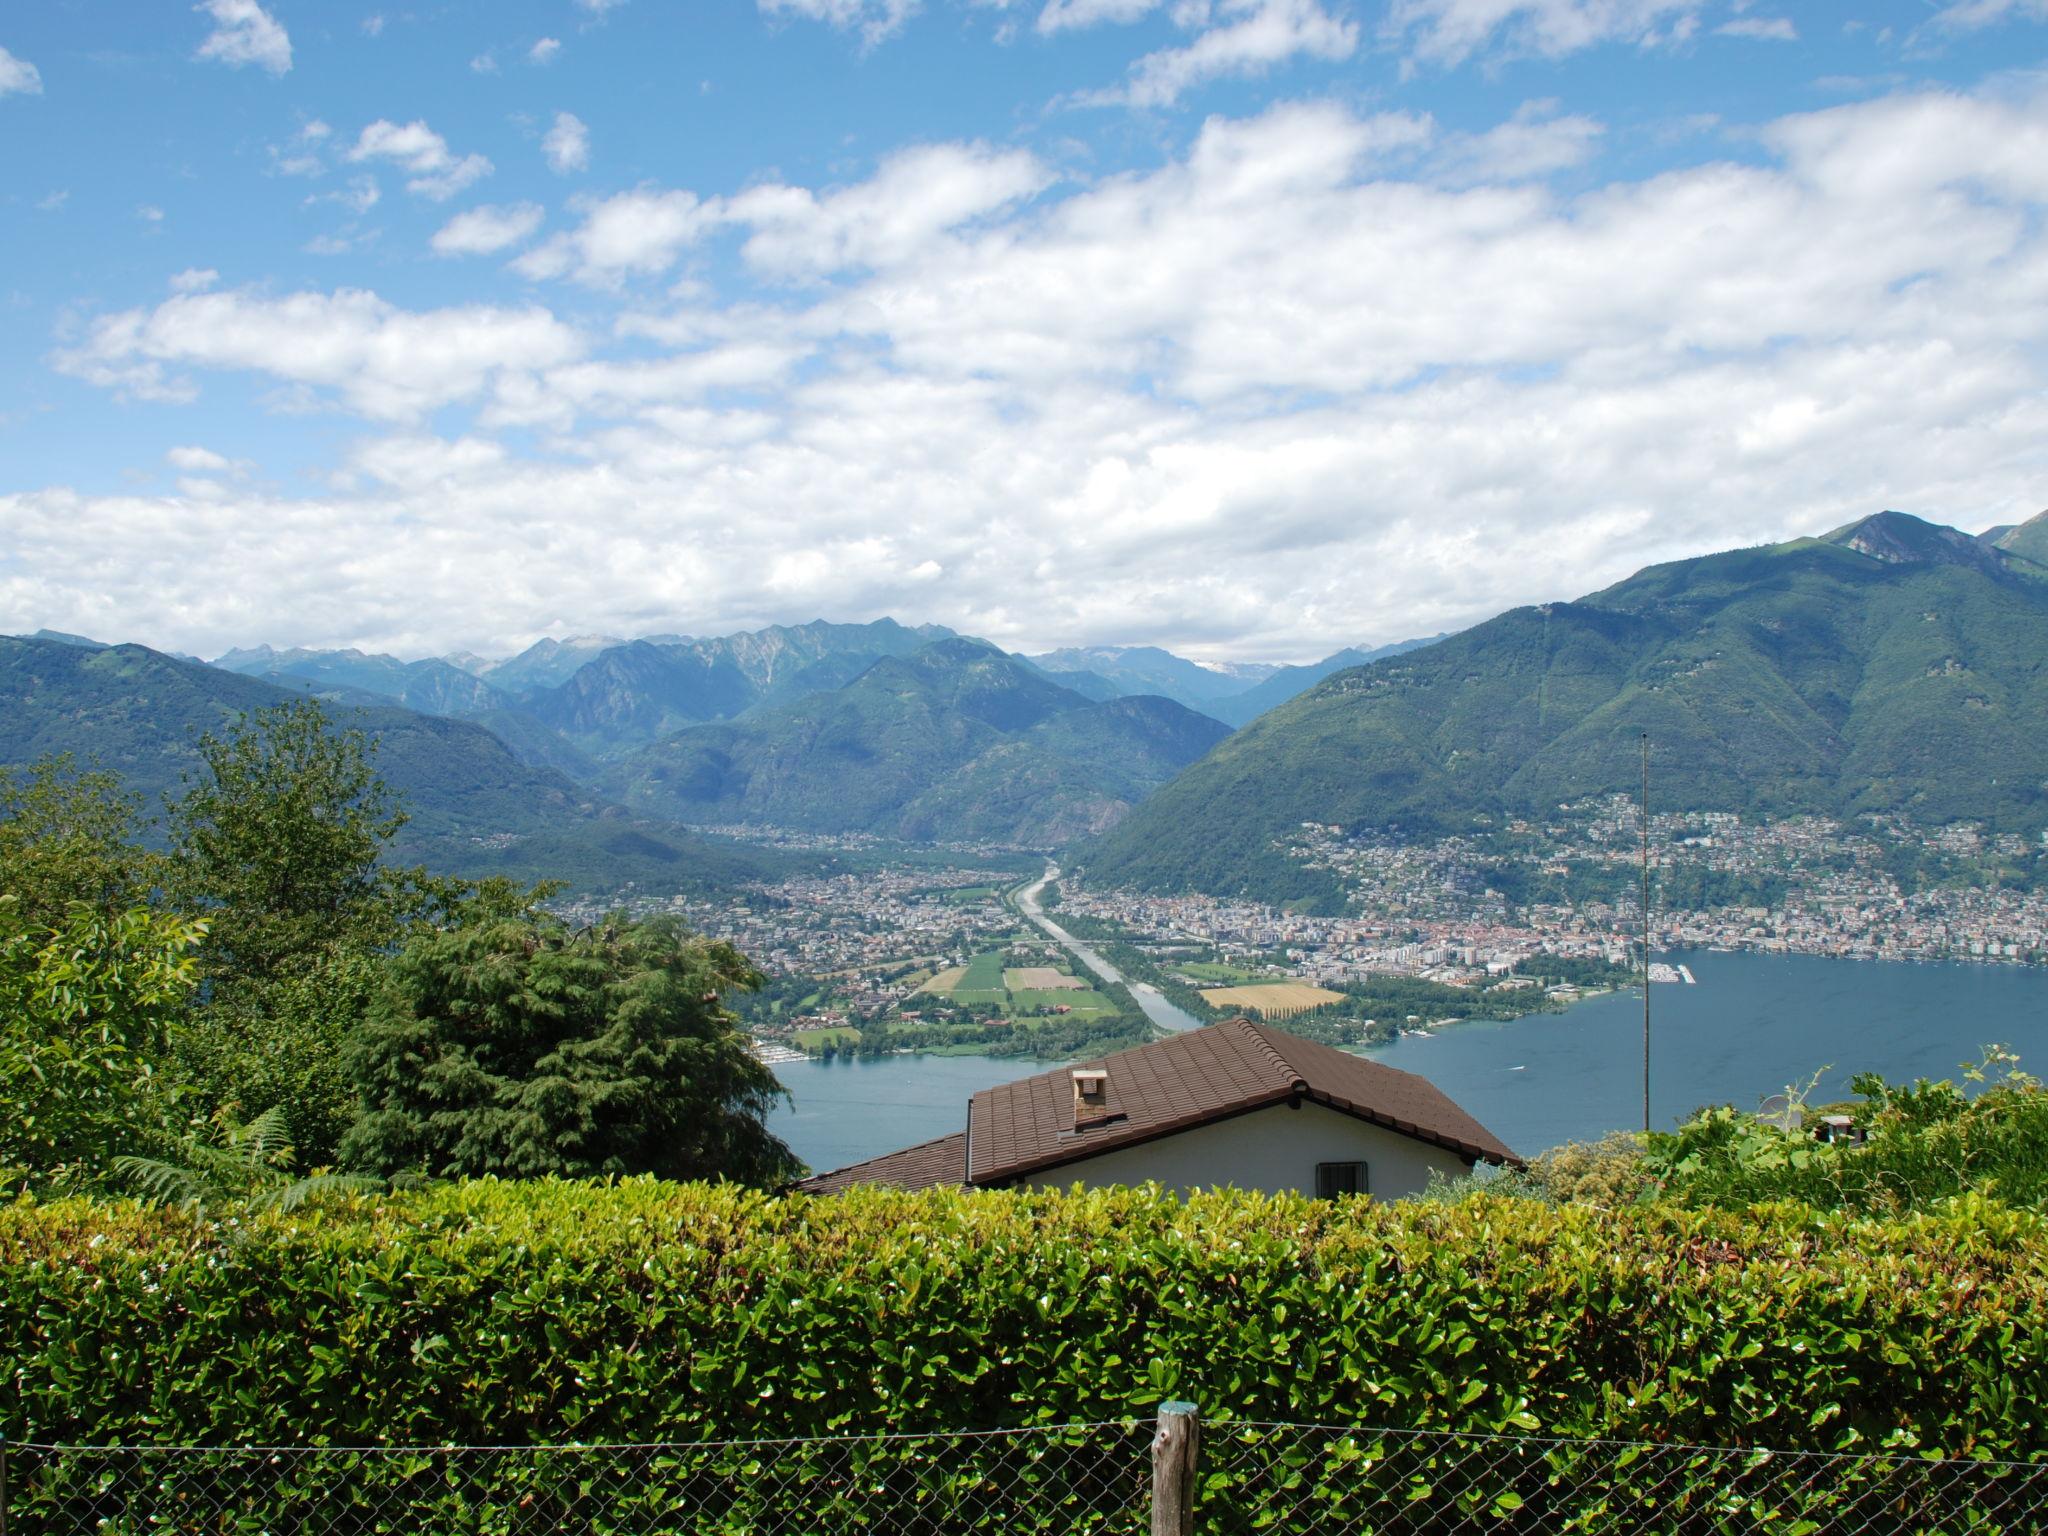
1169 1085
927 1165
1205 1074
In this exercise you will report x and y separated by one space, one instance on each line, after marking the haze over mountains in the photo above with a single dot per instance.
1891 665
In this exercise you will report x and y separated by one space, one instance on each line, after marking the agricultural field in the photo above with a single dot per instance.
1271 1000
818 1039
945 981
983 981
1211 970
1085 1000
1041 978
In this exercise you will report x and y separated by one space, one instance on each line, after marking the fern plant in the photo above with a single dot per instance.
247 1169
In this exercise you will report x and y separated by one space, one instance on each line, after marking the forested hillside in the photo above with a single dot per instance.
476 807
1891 666
954 741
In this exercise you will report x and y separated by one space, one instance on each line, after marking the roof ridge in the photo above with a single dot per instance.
1259 1035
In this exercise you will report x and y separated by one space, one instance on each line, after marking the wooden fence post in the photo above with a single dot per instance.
1174 1448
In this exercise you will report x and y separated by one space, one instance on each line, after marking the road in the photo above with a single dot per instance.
1149 998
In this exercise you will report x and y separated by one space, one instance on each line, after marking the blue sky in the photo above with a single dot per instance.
1250 327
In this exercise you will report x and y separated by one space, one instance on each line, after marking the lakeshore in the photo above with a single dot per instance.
1752 1025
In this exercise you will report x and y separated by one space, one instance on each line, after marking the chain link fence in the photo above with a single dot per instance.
1096 1479
1355 1482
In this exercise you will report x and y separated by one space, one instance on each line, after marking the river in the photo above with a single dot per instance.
1752 1025
1150 1000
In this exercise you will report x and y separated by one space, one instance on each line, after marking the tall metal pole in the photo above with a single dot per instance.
1645 817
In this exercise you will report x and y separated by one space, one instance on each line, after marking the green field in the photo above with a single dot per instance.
1210 970
818 1039
1086 1000
983 982
972 893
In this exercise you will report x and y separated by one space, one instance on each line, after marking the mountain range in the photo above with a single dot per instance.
476 808
1891 665
952 740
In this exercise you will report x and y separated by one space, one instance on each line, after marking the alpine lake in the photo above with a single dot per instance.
1753 1025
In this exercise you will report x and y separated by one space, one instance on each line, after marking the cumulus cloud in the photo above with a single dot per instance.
1365 378
567 144
195 460
1762 29
1536 141
874 20
544 51
244 33
633 234
481 231
915 196
1451 31
1247 37
433 171
369 355
1074 15
18 77
194 280
1974 15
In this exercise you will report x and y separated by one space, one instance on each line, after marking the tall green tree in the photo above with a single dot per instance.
519 1048
277 839
68 835
85 1007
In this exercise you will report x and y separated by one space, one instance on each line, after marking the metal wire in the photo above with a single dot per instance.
1089 1479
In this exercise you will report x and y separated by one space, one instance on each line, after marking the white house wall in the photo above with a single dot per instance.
1271 1150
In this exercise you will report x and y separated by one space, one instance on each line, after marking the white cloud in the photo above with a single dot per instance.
244 33
1249 37
567 144
544 51
485 63
914 197
373 26
874 20
1974 15
376 359
1074 15
1361 376
432 170
18 77
1536 141
194 280
599 7
1762 29
1451 31
481 231
633 234
197 460
149 213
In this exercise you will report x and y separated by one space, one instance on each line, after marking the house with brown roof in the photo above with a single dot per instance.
1238 1104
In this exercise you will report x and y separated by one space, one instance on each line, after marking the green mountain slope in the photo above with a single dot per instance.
476 807
1289 682
432 686
632 693
2029 540
1893 666
956 740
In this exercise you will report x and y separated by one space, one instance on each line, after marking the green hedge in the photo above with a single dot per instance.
502 1313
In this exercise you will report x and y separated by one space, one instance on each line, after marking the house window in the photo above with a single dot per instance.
1334 1179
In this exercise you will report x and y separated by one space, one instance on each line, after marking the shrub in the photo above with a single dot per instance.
491 1312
